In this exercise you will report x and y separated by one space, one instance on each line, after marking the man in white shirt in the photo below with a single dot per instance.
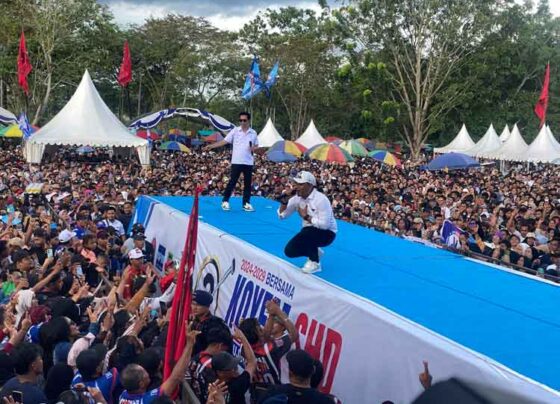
244 141
111 221
319 225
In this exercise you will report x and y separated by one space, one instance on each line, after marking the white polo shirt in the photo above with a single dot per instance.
241 142
319 210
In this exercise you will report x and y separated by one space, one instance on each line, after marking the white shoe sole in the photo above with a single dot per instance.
249 210
311 271
226 208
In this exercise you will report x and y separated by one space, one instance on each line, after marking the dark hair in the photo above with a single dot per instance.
317 374
250 327
162 400
24 355
131 377
87 238
247 114
59 379
218 335
151 359
72 397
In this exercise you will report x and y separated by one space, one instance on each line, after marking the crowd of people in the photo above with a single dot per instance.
83 314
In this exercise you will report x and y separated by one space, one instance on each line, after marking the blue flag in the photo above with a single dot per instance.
24 126
450 234
272 78
253 83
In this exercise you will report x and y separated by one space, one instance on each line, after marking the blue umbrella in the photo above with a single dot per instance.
279 156
452 161
85 149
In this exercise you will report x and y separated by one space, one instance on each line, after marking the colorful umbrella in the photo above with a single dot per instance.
333 139
213 138
354 147
385 157
331 153
176 132
367 143
288 146
279 156
175 146
11 131
143 133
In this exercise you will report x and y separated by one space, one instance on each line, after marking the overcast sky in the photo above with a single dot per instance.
224 14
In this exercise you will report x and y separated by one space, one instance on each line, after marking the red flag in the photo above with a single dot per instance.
125 73
23 64
181 307
542 103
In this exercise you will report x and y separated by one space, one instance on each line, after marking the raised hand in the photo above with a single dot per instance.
425 377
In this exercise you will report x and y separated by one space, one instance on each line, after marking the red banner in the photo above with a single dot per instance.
125 72
23 64
542 103
180 310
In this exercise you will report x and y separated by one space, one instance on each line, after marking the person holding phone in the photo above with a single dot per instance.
28 365
245 142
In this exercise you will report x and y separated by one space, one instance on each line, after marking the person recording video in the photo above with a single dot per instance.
319 225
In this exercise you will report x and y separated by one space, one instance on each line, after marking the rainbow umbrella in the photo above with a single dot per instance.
333 139
175 146
213 138
367 143
11 131
287 146
385 157
354 147
176 132
143 133
331 153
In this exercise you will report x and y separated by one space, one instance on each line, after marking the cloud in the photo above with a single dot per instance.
224 14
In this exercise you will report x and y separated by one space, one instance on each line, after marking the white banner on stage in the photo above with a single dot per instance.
369 353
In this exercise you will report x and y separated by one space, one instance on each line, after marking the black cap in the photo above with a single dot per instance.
138 236
300 363
224 361
202 298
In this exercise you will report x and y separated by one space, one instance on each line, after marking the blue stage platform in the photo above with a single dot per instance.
510 318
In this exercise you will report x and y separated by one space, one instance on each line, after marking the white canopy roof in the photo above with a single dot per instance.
460 144
85 121
544 149
311 137
269 135
505 134
487 144
513 148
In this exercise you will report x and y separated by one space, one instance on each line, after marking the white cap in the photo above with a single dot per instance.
305 177
135 254
65 236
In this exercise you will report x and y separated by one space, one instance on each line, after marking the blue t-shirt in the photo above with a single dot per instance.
145 398
105 383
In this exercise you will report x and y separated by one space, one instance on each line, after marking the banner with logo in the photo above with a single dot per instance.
369 353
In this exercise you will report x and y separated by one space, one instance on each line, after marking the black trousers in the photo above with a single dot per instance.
236 170
307 242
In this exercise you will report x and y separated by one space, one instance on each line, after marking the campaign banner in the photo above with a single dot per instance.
369 353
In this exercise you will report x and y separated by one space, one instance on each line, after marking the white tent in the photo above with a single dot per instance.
505 134
85 121
269 135
311 137
512 150
460 144
544 149
488 143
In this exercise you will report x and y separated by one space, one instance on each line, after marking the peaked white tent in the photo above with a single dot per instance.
544 149
505 134
488 143
85 121
512 150
460 144
311 137
269 135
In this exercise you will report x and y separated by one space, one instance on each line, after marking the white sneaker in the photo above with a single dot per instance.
248 208
225 205
311 267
